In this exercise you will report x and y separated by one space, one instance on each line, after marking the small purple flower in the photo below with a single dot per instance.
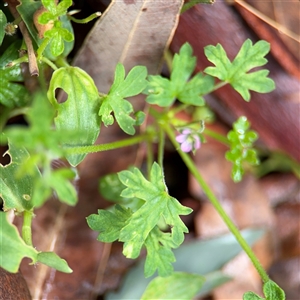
189 140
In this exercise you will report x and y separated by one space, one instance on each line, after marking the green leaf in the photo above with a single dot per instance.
12 92
58 180
179 285
57 9
250 56
16 191
3 22
78 113
115 102
39 135
59 38
158 204
271 291
109 223
215 253
111 187
52 260
159 253
163 92
252 296
44 145
141 228
13 248
241 142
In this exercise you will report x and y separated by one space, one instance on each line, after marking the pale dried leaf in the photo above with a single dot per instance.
131 32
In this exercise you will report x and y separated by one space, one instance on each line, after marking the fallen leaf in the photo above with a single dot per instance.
132 32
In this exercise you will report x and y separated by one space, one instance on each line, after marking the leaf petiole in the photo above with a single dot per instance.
85 20
26 228
109 146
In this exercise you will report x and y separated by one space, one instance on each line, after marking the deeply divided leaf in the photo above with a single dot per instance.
236 72
109 222
141 227
115 102
158 204
164 92
78 114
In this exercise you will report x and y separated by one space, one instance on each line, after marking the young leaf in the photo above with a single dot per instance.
179 285
158 204
78 114
52 260
163 92
16 191
241 142
115 102
235 73
13 248
12 93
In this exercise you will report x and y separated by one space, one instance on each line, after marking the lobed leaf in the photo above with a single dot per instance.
159 254
114 101
158 204
271 291
250 56
13 248
109 223
163 91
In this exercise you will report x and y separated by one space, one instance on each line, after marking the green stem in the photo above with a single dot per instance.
61 62
109 146
86 20
219 137
26 228
210 195
49 63
219 85
161 147
42 48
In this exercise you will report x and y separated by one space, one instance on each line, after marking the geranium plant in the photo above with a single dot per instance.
69 130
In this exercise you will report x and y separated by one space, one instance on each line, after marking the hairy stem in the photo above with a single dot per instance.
215 202
109 146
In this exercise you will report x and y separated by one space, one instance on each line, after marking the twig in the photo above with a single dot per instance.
33 67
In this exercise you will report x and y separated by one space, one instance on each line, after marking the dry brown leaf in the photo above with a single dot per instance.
131 32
